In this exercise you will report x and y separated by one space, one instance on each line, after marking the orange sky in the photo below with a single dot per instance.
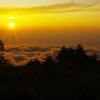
60 19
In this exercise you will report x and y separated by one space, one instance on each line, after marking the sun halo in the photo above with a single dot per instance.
11 24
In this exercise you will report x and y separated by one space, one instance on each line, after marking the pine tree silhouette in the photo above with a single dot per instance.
3 62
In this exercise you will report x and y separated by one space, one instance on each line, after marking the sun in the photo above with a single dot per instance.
11 24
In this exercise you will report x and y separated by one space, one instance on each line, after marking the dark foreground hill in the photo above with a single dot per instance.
75 76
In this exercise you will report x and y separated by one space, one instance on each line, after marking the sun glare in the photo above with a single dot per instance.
11 24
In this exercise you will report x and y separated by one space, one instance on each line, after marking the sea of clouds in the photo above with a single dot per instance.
20 55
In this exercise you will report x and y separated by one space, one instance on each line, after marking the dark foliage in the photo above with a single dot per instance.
3 62
75 76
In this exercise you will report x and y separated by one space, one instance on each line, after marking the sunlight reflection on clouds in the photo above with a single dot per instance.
20 55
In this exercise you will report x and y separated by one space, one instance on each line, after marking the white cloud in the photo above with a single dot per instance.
10 59
20 55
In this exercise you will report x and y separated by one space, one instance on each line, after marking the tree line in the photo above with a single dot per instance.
74 76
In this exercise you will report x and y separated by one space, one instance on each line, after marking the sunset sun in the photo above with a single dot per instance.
11 24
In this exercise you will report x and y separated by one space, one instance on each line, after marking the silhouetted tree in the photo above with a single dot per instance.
79 51
62 54
49 66
37 62
66 56
71 56
49 61
1 46
3 62
33 63
94 56
30 63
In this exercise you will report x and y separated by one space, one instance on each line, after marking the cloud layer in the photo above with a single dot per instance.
20 55
55 8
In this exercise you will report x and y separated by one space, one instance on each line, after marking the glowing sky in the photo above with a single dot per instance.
37 2
41 21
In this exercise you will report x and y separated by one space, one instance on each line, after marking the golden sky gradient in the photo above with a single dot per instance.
66 15
69 18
